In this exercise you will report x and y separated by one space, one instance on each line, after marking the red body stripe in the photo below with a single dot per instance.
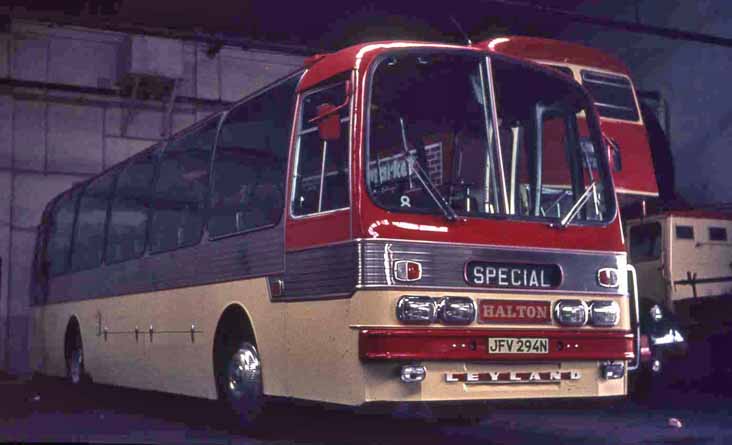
368 220
471 344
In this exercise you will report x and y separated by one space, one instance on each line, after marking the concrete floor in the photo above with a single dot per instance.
54 412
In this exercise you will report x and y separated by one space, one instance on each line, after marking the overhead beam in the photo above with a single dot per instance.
669 33
112 24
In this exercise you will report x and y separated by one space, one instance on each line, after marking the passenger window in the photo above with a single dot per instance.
717 234
613 95
645 242
320 161
684 232
62 226
564 70
181 190
249 163
129 215
90 224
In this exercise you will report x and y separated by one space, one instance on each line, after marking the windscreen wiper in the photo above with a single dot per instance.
574 210
425 180
556 202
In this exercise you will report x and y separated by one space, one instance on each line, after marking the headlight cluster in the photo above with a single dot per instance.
413 309
579 313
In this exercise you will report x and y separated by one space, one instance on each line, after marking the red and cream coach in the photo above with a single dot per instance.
438 223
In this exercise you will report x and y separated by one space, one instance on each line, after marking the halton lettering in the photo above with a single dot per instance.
513 311
521 312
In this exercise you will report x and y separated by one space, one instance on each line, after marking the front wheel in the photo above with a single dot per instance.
242 385
75 373
76 366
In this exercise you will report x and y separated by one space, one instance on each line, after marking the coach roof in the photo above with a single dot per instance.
550 50
321 67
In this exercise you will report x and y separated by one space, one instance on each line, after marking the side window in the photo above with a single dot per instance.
645 242
59 237
717 234
321 169
564 69
613 95
684 232
249 163
130 207
181 189
90 224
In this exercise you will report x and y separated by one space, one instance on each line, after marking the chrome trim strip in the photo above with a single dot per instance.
497 246
441 261
618 107
349 266
387 263
494 121
327 244
636 318
486 290
359 260
316 214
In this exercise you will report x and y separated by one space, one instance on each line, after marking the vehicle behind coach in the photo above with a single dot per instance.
608 81
401 221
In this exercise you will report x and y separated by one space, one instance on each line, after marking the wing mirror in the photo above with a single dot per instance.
328 119
329 122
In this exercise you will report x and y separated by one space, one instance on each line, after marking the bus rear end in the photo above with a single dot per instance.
490 258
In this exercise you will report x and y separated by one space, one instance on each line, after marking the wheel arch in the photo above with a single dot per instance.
72 326
233 326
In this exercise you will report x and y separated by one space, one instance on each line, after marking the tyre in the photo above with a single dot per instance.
242 386
75 372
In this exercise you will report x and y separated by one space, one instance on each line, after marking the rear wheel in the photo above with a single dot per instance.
242 385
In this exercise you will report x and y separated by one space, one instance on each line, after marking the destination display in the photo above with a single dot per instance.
513 275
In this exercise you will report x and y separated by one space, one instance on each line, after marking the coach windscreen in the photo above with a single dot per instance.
461 134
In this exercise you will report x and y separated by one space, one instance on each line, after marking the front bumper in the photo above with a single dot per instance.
459 367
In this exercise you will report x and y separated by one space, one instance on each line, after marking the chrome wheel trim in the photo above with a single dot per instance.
244 376
76 366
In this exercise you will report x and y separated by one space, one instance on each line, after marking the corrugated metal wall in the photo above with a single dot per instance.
51 137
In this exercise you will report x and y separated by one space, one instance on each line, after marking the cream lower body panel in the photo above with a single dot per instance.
309 349
322 342
171 360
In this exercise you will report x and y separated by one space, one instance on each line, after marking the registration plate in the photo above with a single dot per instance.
518 345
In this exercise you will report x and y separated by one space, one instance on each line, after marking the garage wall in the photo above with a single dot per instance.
51 137
693 77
